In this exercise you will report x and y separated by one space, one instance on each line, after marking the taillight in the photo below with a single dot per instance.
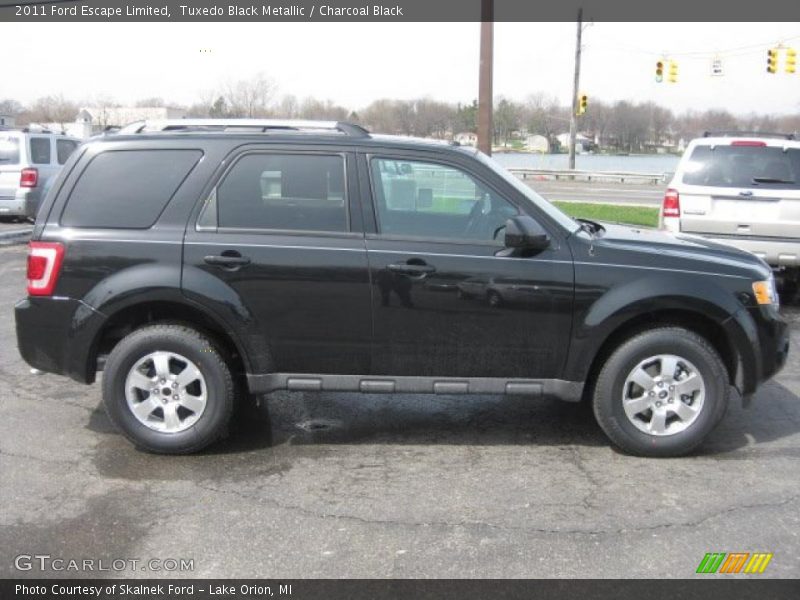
29 178
671 207
44 265
748 143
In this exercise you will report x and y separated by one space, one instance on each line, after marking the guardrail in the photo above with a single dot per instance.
575 175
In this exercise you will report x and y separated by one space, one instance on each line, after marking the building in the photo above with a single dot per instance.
466 138
583 144
537 143
7 121
101 117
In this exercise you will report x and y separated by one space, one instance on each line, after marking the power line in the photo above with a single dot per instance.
698 54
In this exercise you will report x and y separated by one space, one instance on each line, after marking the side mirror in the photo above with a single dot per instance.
524 233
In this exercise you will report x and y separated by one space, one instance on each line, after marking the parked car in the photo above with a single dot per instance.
744 190
198 261
28 160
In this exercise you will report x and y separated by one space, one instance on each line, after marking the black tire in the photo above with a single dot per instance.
212 423
608 392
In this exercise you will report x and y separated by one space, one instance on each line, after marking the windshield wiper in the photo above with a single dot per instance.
771 180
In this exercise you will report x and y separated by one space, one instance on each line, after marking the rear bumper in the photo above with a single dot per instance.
25 203
55 335
777 252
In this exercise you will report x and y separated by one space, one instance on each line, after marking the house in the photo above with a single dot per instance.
537 143
466 138
117 116
583 144
7 121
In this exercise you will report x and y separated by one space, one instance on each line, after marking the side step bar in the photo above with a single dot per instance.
570 391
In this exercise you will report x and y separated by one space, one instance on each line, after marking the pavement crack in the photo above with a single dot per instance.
480 525
42 459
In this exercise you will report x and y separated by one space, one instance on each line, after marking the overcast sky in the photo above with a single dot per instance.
353 64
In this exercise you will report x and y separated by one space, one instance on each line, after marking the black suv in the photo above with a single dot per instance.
195 261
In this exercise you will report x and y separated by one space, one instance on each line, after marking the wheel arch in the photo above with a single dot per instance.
149 312
693 320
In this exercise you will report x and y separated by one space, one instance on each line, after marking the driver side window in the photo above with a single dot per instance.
430 200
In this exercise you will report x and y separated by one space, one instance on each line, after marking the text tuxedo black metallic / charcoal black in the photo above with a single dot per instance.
196 261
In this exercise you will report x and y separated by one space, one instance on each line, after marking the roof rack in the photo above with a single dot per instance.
244 126
785 136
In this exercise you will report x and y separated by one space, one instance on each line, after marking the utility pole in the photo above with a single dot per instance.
573 121
485 78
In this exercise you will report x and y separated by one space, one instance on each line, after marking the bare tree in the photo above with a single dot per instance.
249 97
312 108
288 107
10 107
155 101
51 109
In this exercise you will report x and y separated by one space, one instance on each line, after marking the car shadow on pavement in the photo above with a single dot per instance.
309 419
774 414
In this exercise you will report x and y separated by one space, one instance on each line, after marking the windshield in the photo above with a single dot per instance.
9 150
767 167
543 204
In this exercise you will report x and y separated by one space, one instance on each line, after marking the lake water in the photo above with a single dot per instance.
640 163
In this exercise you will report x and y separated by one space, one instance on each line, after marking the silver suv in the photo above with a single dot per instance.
743 190
29 160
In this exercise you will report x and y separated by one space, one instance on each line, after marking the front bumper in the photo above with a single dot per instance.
761 339
55 335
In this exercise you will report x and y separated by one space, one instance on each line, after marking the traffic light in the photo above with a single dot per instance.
660 71
791 60
772 60
673 72
583 102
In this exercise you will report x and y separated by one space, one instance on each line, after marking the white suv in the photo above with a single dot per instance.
29 160
743 190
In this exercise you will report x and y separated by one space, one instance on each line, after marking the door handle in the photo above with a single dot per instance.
411 269
230 260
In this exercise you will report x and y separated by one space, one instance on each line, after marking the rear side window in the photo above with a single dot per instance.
767 167
301 192
63 149
40 150
9 150
127 188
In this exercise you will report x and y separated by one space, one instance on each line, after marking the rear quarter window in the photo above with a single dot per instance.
9 150
64 148
40 150
127 189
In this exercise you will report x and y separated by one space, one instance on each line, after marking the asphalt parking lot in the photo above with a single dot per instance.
337 485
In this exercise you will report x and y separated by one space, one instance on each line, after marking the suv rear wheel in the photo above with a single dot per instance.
661 392
168 389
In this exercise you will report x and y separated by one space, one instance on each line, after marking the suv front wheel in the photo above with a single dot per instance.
661 392
168 389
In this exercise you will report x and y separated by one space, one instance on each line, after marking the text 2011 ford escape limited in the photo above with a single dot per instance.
197 260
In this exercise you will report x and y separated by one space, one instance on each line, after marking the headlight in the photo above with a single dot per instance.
766 292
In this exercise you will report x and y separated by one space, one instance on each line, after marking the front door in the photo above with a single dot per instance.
448 300
275 247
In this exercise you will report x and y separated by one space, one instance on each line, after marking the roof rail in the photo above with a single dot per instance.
785 136
260 125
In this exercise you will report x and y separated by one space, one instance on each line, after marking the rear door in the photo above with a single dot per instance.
742 189
278 233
